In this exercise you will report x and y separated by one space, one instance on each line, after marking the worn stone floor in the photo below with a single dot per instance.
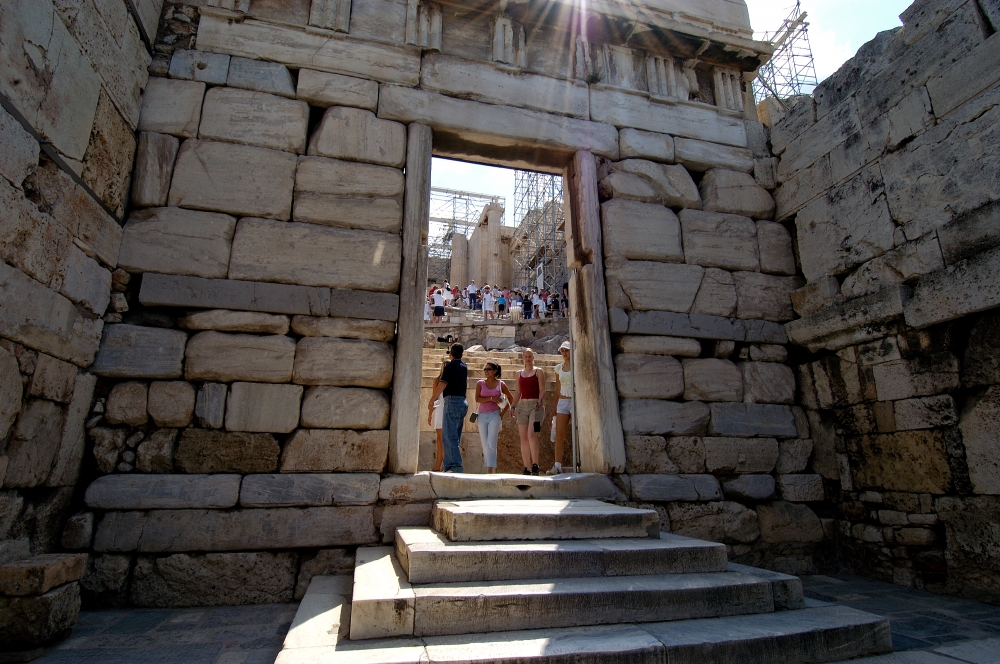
950 629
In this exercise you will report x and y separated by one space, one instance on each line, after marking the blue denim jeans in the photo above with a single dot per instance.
455 409
489 431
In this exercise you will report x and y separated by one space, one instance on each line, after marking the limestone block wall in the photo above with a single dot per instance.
71 79
889 174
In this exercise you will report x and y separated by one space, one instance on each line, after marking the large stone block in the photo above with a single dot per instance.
214 579
768 382
172 107
640 231
749 487
736 193
675 488
31 240
784 523
914 461
776 253
235 321
336 178
801 488
344 328
345 408
653 345
29 622
656 417
971 544
740 455
323 89
43 320
712 380
261 76
716 522
309 489
108 161
174 531
19 156
254 118
39 574
177 241
979 425
66 464
765 296
373 214
149 492
189 65
295 253
925 413
673 184
657 286
86 282
195 292
34 444
204 451
223 358
717 294
751 419
648 376
156 453
53 379
648 454
851 323
703 156
238 179
922 376
949 294
355 134
170 403
645 145
793 455
127 404
712 239
260 407
210 405
356 362
334 450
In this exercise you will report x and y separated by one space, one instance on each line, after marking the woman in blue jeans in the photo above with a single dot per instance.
490 394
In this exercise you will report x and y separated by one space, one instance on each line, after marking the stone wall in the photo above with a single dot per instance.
71 82
889 174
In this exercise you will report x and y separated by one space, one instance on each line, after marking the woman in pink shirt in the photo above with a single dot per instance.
491 393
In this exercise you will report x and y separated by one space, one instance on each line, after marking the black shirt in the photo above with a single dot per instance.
456 375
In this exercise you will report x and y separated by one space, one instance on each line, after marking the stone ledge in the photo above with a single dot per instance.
956 291
143 492
698 326
850 323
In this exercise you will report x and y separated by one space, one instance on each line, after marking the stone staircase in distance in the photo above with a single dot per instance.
540 569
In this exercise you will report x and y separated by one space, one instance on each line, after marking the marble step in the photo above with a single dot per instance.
469 486
428 557
489 520
821 634
386 604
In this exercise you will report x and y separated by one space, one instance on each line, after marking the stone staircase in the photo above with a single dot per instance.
564 578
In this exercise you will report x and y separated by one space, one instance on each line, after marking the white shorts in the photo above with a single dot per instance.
439 416
564 407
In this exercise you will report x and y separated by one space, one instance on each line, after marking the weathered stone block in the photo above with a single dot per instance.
647 454
106 581
673 184
627 186
210 406
356 362
905 263
170 403
202 451
406 488
307 489
782 522
176 241
86 282
749 487
949 294
801 488
645 145
815 296
238 179
79 532
735 193
66 464
979 426
171 107
399 515
20 154
345 408
344 328
254 118
130 351
335 178
649 376
653 345
378 214
656 417
640 231
296 253
107 444
148 492
851 323
719 240
750 419
926 375
33 621
180 291
221 357
156 453
127 404
657 286
53 379
261 76
712 380
688 453
764 296
776 253
11 390
261 407
912 461
793 455
740 455
323 89
355 134
971 546
768 382
214 579
235 321
199 66
675 488
154 165
34 444
703 156
716 522
333 450
925 413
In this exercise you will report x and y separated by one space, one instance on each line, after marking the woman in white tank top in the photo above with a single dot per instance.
564 405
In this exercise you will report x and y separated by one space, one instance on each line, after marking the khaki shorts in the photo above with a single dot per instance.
525 411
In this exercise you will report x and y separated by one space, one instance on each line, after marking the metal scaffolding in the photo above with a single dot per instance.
451 212
791 70
539 246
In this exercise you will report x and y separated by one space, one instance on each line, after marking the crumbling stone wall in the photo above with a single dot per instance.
71 79
890 175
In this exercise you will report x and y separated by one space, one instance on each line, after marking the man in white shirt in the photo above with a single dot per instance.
473 294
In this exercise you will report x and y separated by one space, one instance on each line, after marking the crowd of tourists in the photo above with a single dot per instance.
496 303
448 407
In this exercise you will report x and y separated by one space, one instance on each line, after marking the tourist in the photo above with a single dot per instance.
565 299
427 309
437 421
516 313
452 385
502 304
564 405
528 405
492 397
473 294
488 302
526 306
438 307
465 296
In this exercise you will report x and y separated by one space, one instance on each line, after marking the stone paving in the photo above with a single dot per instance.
953 629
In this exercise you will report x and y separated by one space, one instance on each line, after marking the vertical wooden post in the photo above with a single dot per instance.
600 439
404 425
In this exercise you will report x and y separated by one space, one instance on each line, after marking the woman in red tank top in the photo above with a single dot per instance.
527 407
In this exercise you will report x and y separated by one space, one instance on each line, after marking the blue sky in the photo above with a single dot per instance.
837 28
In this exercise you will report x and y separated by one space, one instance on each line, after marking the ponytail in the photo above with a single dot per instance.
496 369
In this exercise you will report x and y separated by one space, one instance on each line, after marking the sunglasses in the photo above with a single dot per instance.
489 369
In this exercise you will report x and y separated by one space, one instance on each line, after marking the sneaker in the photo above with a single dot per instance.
526 472
555 470
534 469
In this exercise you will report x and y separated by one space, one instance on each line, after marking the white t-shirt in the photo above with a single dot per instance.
488 299
472 289
438 300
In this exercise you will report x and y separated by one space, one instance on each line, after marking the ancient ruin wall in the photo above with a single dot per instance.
890 175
